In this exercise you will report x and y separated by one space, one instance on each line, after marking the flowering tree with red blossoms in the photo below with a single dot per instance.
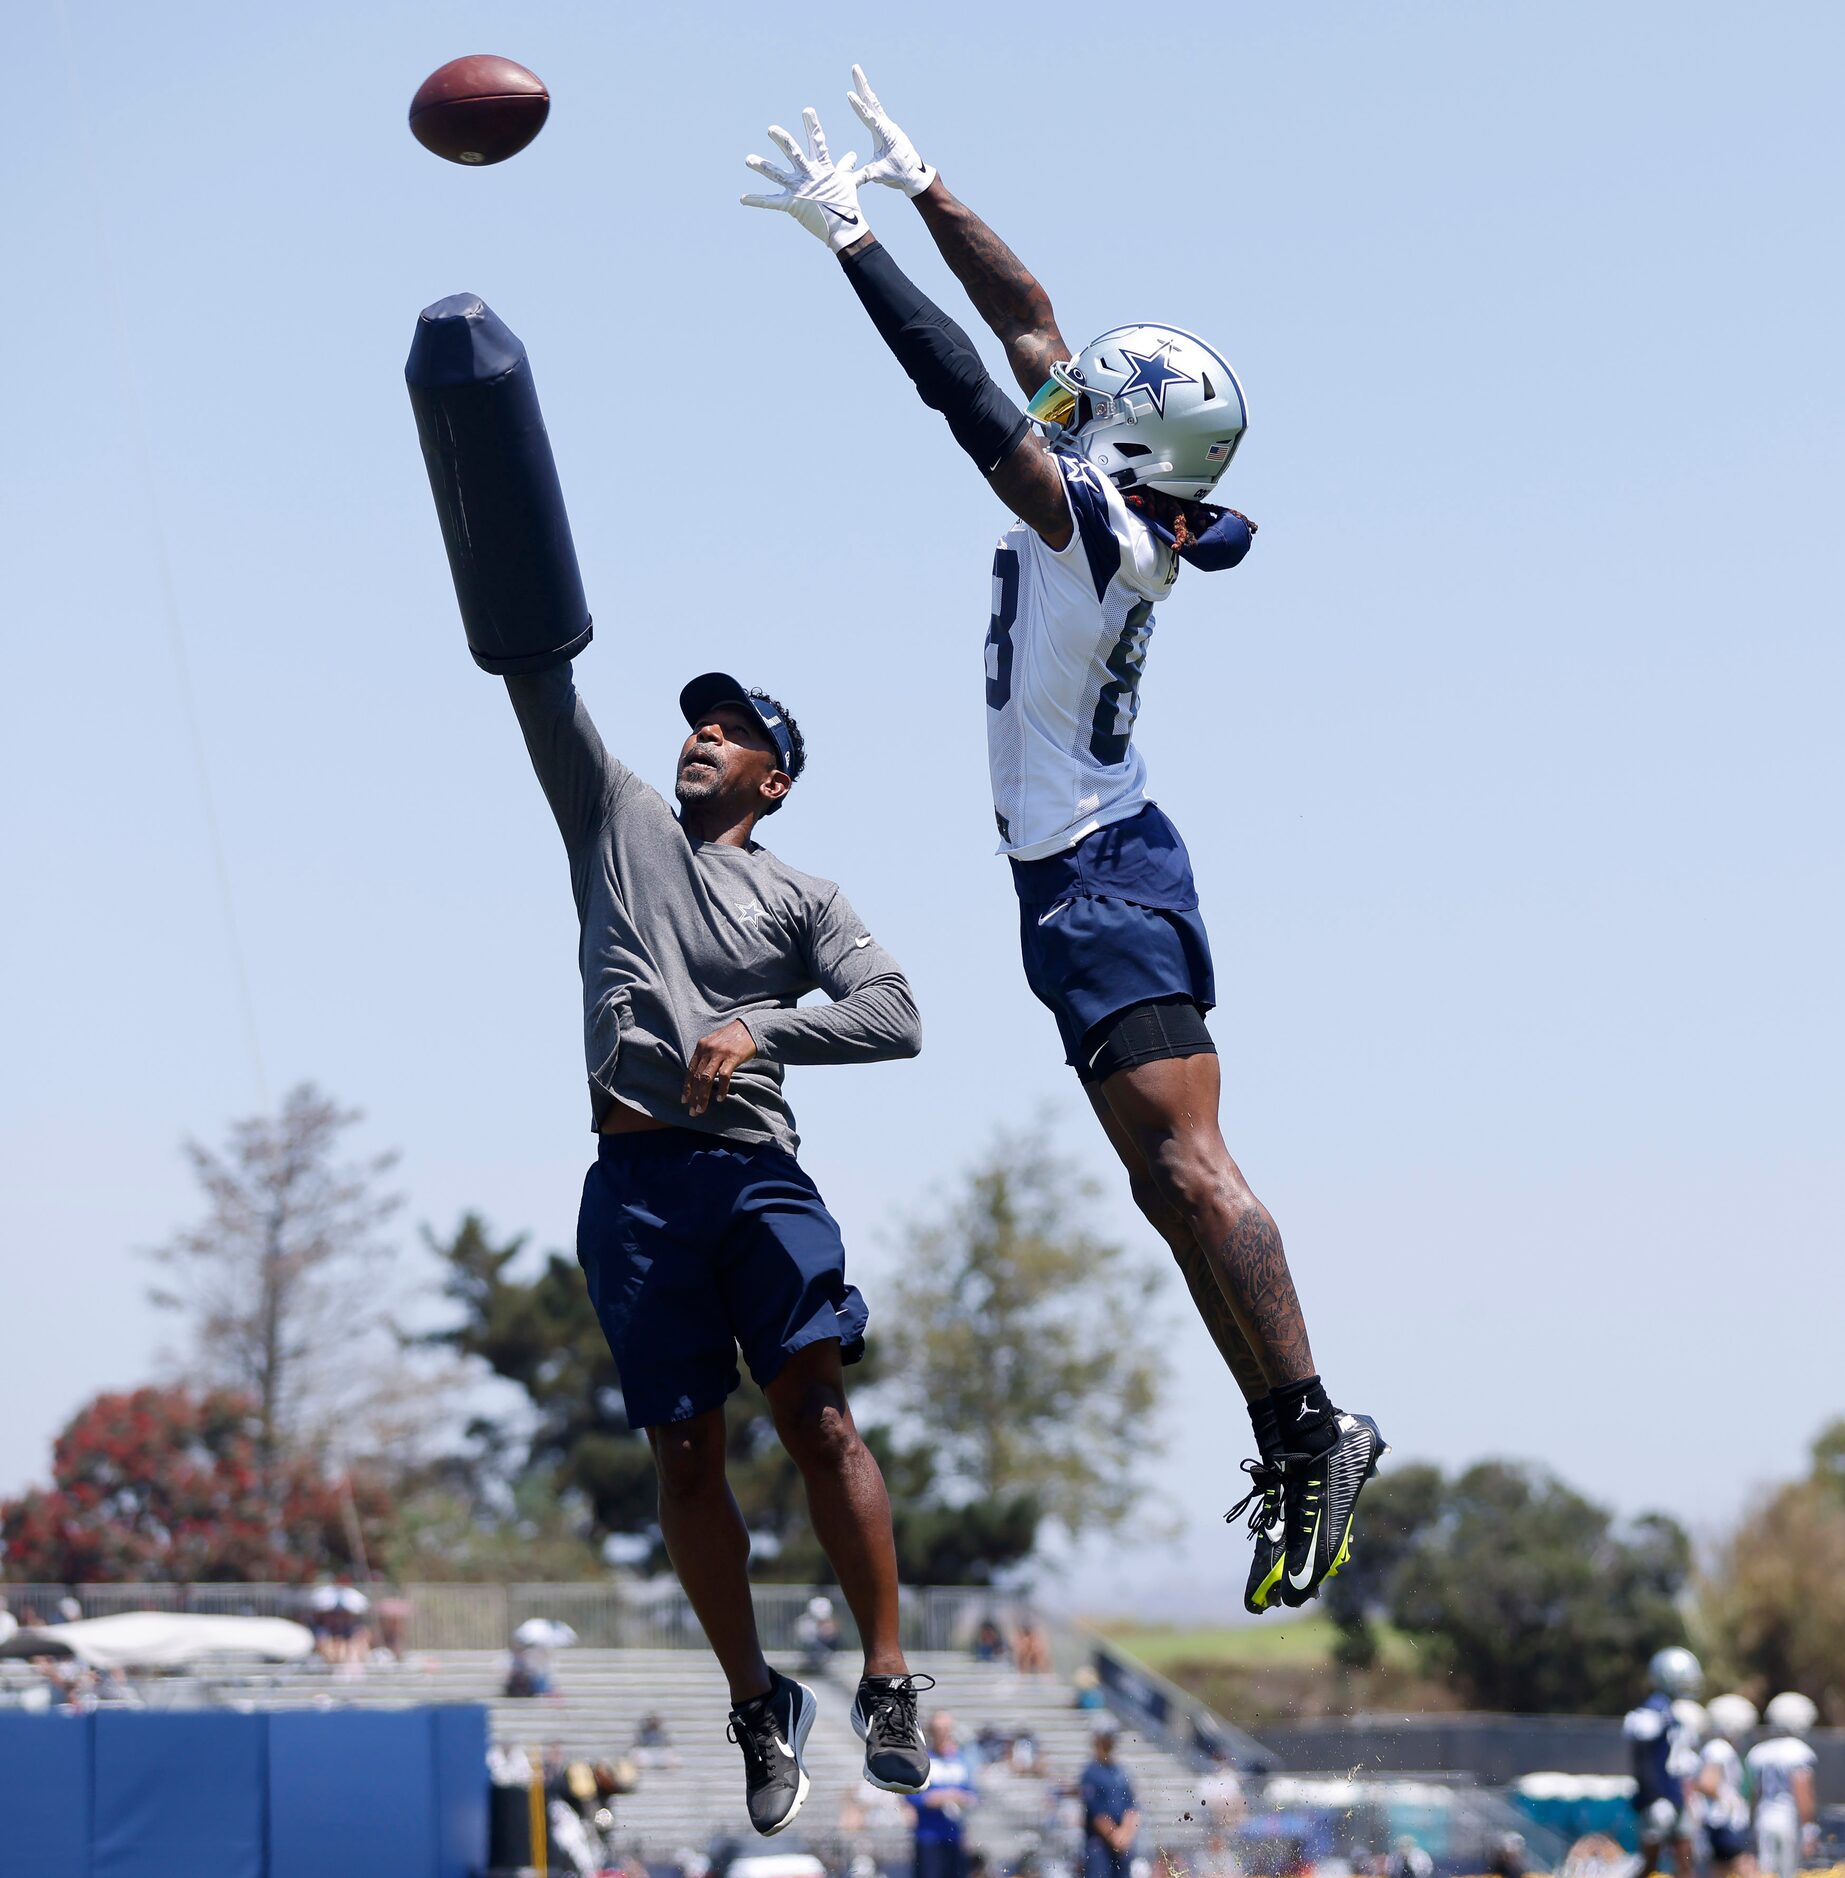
164 1485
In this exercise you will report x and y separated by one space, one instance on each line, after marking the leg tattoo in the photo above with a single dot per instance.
1253 1271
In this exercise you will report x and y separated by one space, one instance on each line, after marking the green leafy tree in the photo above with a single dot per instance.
1535 1598
534 1326
1774 1603
1398 1507
1024 1347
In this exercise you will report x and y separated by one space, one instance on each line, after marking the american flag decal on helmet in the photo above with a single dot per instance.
1218 451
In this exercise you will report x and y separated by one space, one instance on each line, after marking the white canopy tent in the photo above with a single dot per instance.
163 1640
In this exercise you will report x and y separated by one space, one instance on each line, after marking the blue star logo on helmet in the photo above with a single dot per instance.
1153 372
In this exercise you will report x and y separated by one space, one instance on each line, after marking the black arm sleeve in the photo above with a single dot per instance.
939 357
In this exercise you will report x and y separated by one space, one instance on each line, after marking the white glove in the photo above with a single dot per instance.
894 161
820 194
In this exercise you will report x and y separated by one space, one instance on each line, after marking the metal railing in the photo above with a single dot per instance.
610 1613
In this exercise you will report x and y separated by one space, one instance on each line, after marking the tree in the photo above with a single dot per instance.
167 1486
1536 1599
1398 1507
280 1278
1774 1603
1023 1348
537 1329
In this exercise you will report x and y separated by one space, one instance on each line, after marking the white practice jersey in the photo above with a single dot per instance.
1727 1808
1065 649
1772 1766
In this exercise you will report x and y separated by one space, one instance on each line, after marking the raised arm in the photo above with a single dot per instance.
938 356
1004 291
581 781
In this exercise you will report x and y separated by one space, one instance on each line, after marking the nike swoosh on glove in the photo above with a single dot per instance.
894 161
820 194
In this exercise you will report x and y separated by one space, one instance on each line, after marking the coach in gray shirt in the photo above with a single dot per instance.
700 1232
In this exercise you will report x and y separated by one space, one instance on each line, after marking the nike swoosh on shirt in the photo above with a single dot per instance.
1301 1583
864 941
1044 919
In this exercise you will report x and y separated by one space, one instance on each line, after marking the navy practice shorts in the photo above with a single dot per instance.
1111 923
694 1245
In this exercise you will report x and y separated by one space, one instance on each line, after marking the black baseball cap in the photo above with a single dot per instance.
713 688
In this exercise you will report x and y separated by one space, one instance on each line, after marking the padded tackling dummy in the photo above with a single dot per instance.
496 489
45 1794
179 1795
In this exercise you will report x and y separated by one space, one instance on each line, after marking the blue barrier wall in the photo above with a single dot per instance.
45 1763
359 1793
176 1795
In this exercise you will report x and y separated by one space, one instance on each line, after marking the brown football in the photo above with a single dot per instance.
479 110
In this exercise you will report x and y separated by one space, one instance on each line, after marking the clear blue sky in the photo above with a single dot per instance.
1510 761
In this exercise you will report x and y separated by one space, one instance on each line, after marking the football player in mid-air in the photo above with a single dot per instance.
1107 470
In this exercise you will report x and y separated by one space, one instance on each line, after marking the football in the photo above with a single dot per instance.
479 110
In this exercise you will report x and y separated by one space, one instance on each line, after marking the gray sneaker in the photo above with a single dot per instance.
884 1718
772 1731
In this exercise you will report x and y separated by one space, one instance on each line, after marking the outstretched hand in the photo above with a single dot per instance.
820 194
894 161
707 1076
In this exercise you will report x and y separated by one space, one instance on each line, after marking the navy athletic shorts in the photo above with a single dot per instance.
1110 923
694 1246
1728 1842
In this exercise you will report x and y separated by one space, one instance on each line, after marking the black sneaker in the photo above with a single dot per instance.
1268 1527
1321 1494
884 1718
772 1732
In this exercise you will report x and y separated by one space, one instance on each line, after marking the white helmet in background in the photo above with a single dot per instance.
1791 1713
1731 1716
1675 1671
1693 1718
1150 406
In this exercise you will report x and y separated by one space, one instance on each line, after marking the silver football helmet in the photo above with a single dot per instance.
1731 1716
1149 406
1675 1671
1792 1713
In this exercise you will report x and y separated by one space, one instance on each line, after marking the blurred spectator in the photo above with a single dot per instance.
989 1642
1221 1793
942 1807
69 1611
340 1618
1110 1818
1088 1687
393 1624
653 1744
1509 1858
816 1634
1031 1647
1408 1860
527 1673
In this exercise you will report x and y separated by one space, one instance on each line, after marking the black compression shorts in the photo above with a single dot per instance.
1144 1033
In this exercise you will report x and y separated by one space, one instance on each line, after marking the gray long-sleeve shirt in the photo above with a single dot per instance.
680 936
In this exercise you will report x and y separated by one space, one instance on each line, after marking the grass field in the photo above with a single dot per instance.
1281 1666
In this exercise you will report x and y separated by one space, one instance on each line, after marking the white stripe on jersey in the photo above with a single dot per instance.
1064 653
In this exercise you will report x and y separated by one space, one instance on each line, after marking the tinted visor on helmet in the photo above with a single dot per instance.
1052 403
